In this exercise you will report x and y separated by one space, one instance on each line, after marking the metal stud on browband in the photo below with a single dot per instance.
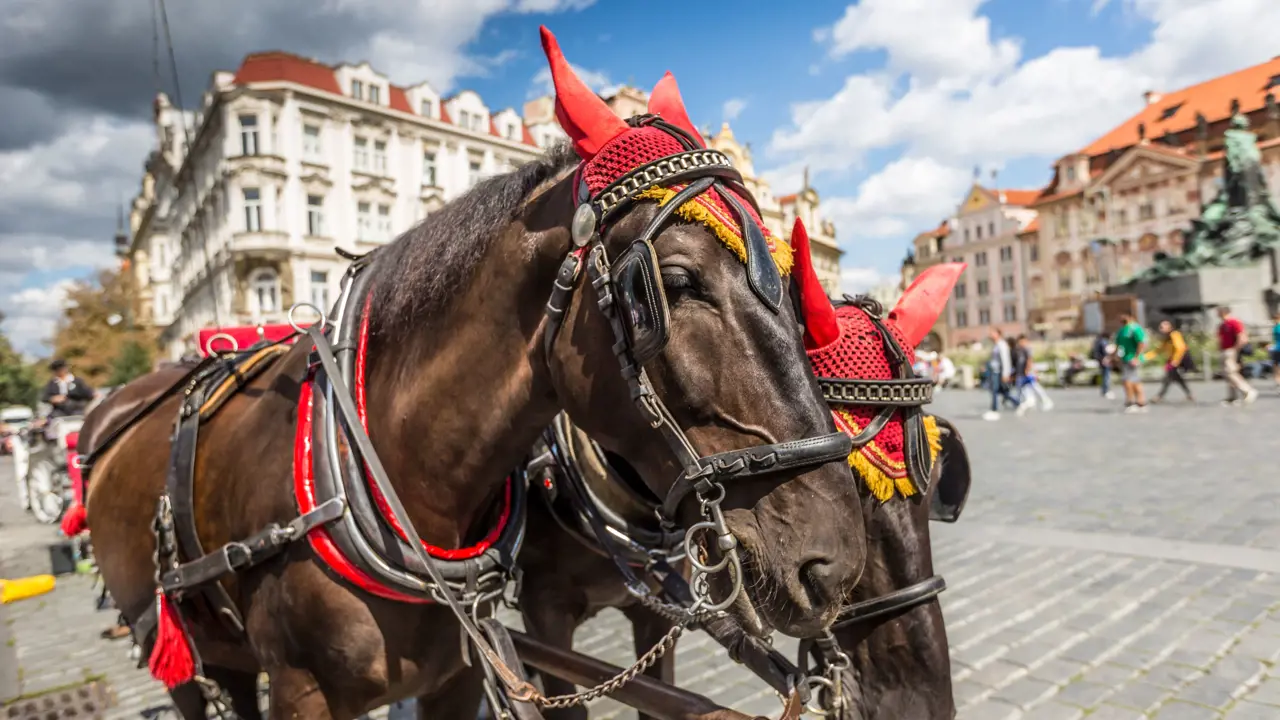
584 225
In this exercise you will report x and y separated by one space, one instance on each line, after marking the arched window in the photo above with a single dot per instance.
264 292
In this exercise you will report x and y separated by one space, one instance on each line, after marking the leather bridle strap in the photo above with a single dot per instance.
518 688
897 601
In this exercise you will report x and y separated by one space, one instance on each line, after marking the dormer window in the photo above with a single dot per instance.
428 108
357 89
1071 173
1173 109
375 94
1273 82
464 119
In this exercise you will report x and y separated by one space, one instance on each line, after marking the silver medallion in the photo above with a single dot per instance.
583 227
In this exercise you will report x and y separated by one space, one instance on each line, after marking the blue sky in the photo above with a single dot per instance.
891 103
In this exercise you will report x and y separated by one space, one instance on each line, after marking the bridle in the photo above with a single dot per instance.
630 295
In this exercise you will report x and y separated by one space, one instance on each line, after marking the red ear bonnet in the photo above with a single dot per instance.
820 328
586 118
666 101
924 300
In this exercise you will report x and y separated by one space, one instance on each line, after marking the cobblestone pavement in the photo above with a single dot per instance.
1107 566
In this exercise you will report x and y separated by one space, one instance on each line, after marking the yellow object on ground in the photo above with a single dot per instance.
23 588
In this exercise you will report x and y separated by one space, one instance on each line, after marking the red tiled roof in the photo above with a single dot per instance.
493 128
528 136
399 100
278 65
1211 98
1018 198
786 199
1033 226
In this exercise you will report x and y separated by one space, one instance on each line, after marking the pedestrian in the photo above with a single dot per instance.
1000 374
946 372
1176 361
1029 387
1232 339
1275 349
1131 339
1101 353
65 393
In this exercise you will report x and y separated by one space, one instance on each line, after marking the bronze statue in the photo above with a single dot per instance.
1240 225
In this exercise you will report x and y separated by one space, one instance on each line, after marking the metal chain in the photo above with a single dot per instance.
560 702
834 661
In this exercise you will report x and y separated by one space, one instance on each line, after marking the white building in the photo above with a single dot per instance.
287 159
290 158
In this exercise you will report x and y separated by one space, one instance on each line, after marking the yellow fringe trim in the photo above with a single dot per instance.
880 484
693 211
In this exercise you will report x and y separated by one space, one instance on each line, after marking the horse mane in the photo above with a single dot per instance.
419 273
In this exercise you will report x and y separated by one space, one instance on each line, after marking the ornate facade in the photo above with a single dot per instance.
1133 192
243 203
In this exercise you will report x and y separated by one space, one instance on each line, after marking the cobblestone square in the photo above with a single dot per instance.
1106 566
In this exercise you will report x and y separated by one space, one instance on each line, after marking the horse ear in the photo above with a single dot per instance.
820 327
923 301
586 119
665 100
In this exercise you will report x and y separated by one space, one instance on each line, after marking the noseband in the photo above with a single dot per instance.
630 295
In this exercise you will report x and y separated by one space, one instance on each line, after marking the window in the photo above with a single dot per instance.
1122 217
983 288
984 317
962 318
978 232
375 94
473 172
991 228
959 292
427 109
957 259
1006 253
357 89
248 134
1033 252
364 221
252 210
384 222
1006 283
512 132
1173 109
1146 211
311 148
1071 173
464 119
980 259
264 292
1064 279
320 289
966 234
380 157
1273 82
429 169
362 154
1010 313
1061 225
315 216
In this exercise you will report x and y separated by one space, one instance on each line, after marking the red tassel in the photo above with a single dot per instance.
171 662
75 521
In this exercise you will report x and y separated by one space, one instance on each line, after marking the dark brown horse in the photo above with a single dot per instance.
461 378
892 634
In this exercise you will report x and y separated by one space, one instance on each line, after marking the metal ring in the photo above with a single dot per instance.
324 318
690 536
735 574
818 683
208 344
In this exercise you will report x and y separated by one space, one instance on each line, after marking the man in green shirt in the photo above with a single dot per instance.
1130 342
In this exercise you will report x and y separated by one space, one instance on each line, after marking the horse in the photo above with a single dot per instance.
892 656
445 362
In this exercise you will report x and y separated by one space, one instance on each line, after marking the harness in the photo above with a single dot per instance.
630 294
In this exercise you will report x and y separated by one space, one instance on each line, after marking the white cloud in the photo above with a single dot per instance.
855 280
952 96
30 316
929 39
732 108
541 83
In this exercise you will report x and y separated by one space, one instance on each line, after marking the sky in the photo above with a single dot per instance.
891 104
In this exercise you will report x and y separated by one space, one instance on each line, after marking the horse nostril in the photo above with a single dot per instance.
821 580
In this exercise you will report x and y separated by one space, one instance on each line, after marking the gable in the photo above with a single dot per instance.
977 199
1141 164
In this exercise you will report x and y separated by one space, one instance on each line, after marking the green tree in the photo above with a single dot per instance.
134 360
19 382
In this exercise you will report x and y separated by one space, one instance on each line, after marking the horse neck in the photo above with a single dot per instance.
456 401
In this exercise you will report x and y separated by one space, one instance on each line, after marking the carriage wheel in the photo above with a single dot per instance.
46 484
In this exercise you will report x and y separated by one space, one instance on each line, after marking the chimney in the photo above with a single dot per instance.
1151 96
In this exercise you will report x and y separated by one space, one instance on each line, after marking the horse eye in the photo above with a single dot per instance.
678 280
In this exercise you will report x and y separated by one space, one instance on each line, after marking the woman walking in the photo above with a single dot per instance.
1174 351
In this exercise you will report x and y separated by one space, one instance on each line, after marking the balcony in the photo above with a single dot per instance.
262 165
259 241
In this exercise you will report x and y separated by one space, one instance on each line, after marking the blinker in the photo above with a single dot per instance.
584 224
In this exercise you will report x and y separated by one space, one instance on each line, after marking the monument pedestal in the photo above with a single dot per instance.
1192 297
